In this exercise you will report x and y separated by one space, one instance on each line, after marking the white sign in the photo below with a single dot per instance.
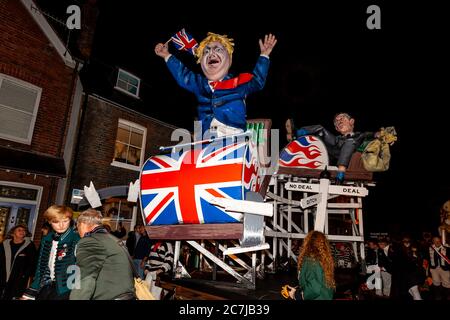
77 195
348 191
342 190
310 201
305 187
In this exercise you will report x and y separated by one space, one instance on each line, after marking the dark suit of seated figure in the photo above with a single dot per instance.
340 147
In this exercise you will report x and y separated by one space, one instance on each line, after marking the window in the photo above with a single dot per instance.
19 103
119 210
129 145
128 83
19 204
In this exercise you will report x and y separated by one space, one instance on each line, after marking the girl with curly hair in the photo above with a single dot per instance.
315 269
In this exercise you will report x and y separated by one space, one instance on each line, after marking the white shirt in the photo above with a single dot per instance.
386 250
52 259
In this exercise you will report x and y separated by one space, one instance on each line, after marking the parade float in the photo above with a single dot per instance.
229 194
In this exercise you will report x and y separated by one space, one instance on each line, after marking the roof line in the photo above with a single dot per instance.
94 95
34 11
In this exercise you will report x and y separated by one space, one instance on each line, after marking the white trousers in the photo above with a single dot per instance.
386 279
222 129
415 293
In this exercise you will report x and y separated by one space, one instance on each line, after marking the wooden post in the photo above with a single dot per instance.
289 218
281 225
201 255
216 253
274 226
321 213
176 257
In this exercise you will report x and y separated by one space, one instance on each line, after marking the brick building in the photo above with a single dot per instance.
40 98
64 123
117 134
114 143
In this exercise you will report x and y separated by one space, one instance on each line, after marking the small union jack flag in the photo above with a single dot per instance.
184 41
175 188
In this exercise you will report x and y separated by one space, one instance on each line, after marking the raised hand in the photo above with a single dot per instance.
269 42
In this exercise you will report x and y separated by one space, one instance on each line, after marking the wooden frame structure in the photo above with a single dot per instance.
295 211
300 205
245 257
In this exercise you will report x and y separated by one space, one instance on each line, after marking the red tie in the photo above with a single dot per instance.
231 83
213 84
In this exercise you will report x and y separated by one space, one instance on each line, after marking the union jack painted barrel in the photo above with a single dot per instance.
175 187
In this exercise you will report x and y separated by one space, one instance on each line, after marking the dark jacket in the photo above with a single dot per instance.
16 271
379 258
143 246
312 281
386 261
437 260
410 269
226 104
64 262
340 148
105 269
131 242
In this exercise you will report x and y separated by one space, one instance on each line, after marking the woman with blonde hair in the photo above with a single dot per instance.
56 257
315 269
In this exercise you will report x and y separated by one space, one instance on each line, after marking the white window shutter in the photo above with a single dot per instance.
19 103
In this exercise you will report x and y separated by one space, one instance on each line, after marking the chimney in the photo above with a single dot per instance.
89 15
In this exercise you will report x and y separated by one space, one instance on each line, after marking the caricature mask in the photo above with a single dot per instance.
215 55
344 123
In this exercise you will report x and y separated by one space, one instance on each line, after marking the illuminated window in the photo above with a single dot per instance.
129 145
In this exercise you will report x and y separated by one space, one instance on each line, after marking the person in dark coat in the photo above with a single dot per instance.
17 263
105 269
340 147
133 238
411 272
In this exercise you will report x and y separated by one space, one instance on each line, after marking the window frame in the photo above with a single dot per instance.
144 139
36 202
123 90
25 85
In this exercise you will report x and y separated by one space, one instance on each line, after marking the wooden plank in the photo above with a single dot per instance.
184 293
236 250
312 173
215 231
330 237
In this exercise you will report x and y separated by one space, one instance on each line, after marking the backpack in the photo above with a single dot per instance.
376 155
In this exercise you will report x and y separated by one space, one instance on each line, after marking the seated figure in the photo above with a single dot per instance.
340 147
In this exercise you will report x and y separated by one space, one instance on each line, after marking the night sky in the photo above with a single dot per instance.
326 60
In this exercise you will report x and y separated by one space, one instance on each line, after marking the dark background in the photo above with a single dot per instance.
326 61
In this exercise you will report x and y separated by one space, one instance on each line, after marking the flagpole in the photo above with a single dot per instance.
444 257
247 133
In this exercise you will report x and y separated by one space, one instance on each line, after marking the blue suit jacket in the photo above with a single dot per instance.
226 105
